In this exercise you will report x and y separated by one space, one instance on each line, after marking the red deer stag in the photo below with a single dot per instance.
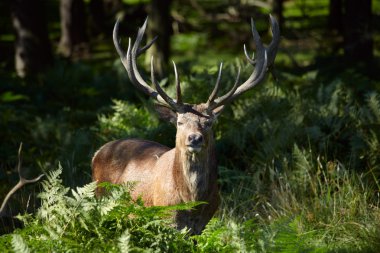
187 172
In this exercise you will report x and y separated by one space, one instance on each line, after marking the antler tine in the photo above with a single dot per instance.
140 35
116 41
260 51
130 64
22 181
169 101
177 85
251 61
273 45
216 87
126 59
264 59
147 46
226 98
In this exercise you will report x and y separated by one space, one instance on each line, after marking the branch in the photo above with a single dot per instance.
22 181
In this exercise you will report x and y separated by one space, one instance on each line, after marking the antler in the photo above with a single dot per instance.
20 183
264 59
129 61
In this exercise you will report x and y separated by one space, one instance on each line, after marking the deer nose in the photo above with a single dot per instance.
195 139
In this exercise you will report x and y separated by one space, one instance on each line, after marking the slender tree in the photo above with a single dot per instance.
98 16
74 39
358 41
112 6
160 25
32 46
278 8
335 18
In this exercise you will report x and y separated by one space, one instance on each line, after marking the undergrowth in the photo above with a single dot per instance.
74 220
317 206
312 205
299 170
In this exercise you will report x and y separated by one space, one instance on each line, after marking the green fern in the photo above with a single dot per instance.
373 102
126 121
123 242
19 245
76 221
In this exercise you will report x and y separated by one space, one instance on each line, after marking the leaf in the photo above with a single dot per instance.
123 241
19 245
9 96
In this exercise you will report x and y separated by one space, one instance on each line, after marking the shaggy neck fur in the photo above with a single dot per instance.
193 171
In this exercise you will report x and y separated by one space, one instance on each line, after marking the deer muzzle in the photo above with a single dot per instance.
194 142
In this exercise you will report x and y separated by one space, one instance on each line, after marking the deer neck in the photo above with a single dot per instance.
192 172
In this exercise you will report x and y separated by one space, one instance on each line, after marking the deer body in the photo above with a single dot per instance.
187 172
129 161
166 176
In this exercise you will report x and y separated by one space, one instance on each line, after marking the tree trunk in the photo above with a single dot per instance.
111 7
98 16
278 7
33 51
335 18
358 41
160 25
74 40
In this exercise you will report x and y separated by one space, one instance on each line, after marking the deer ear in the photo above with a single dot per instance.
166 113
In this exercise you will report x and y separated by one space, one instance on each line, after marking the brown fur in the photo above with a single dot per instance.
166 176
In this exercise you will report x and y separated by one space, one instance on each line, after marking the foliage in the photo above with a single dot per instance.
74 220
312 205
329 119
127 120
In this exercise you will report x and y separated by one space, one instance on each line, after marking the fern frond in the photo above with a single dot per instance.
53 197
373 102
19 245
81 194
106 206
286 238
54 175
123 242
302 168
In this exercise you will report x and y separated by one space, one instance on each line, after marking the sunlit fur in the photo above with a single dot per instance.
166 176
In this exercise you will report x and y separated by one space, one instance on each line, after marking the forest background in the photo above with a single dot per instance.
299 155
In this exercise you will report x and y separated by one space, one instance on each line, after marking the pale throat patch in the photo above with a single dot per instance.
196 173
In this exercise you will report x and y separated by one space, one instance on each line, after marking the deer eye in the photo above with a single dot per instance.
208 124
179 123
